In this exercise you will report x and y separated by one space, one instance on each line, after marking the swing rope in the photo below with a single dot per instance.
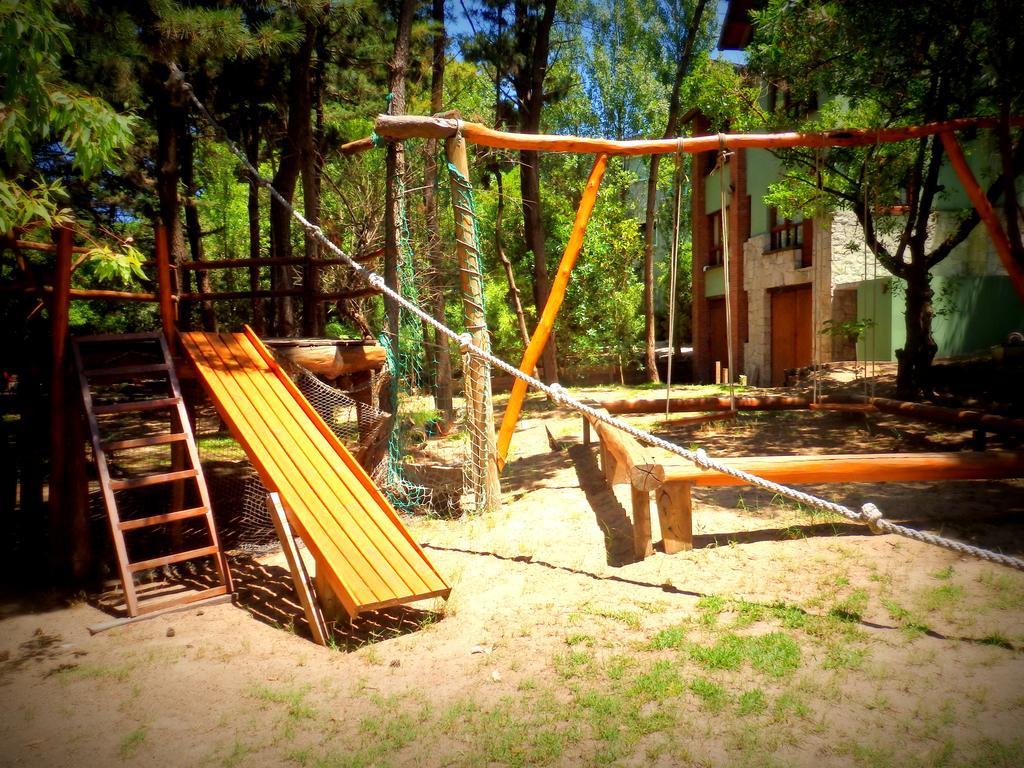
673 272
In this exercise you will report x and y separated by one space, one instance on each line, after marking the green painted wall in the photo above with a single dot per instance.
713 192
874 300
975 314
714 282
762 169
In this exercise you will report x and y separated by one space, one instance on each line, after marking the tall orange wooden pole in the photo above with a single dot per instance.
554 303
165 288
984 209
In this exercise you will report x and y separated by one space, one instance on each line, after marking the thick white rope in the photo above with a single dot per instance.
868 514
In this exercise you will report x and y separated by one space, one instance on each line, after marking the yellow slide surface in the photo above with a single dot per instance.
351 528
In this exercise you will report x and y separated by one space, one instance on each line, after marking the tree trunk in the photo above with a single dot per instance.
533 232
671 129
252 153
312 166
442 368
533 44
193 229
913 377
170 123
395 166
499 248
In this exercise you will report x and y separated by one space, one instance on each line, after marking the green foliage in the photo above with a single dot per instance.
41 109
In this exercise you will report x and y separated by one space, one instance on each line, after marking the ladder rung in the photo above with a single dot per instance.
145 442
131 483
187 599
170 517
125 371
157 562
137 405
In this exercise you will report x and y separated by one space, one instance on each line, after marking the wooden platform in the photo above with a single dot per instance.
371 561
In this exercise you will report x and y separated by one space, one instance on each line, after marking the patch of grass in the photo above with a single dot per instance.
850 608
944 574
130 744
775 654
579 639
995 754
1007 589
788 705
752 702
728 652
618 666
843 656
630 618
572 664
748 613
658 683
941 597
293 699
910 625
998 640
710 606
712 695
670 637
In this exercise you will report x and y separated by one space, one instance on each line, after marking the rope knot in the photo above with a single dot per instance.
465 342
557 394
375 281
871 516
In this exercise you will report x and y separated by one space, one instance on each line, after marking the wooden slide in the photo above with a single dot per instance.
369 558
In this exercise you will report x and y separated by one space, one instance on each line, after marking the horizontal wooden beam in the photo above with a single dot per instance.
332 361
399 127
206 266
858 468
78 293
357 293
965 418
638 405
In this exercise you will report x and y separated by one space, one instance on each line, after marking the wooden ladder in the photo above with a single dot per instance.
183 448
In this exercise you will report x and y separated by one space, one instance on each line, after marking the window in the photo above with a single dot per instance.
715 254
784 234
791 235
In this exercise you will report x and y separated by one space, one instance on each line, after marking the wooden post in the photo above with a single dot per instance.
478 373
984 208
300 577
547 319
675 515
641 503
60 305
165 287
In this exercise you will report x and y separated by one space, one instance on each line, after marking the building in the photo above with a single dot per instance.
789 282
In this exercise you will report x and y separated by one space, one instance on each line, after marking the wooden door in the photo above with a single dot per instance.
719 335
791 330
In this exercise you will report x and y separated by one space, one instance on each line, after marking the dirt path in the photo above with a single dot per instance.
783 638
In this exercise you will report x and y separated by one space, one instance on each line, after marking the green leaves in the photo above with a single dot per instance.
40 108
112 267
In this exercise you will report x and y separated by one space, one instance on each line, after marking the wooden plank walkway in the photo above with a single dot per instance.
346 522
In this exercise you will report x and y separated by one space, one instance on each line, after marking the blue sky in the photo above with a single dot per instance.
458 24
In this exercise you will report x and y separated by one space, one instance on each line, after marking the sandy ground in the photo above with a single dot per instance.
783 638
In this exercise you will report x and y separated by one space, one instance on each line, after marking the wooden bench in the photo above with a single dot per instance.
624 461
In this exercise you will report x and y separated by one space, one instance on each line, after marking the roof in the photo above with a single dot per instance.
737 29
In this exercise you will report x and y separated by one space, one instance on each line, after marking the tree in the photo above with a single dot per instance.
875 63
519 48
39 108
684 53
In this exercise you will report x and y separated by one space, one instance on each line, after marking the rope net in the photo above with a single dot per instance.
869 514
